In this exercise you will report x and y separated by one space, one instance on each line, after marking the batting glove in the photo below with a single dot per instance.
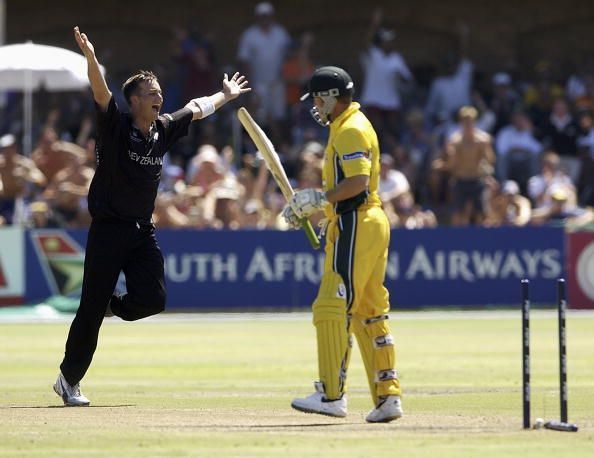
308 201
290 217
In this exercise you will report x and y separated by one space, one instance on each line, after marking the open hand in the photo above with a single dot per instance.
235 86
84 44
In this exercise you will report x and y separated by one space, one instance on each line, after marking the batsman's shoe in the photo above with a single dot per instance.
71 395
388 408
317 403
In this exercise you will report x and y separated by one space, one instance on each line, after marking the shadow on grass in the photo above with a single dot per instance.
286 426
69 407
289 426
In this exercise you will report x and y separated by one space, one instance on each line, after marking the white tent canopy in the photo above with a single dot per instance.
28 67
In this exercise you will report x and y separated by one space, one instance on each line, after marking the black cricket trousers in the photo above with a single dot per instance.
113 246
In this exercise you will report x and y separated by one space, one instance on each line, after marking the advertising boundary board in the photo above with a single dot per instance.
12 266
247 270
580 269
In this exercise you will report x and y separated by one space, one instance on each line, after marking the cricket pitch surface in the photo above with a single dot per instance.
221 385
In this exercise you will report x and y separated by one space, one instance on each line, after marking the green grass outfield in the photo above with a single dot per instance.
214 386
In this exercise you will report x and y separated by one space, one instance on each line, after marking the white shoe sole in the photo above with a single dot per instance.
385 420
327 414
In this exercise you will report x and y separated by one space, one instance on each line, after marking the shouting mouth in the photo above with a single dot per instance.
156 109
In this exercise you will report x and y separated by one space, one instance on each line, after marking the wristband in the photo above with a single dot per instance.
206 106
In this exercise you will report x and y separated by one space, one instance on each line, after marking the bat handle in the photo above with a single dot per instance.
311 234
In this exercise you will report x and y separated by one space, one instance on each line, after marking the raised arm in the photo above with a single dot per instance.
101 92
232 88
376 21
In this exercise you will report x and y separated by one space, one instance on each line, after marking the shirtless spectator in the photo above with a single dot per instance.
49 156
508 207
16 174
67 191
469 160
551 175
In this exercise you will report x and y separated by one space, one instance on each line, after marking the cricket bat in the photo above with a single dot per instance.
275 167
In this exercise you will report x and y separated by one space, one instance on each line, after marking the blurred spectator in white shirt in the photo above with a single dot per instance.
383 67
392 182
452 90
262 50
517 151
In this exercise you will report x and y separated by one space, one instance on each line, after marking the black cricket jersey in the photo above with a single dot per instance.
129 164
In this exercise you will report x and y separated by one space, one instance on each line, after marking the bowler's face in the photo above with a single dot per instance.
149 99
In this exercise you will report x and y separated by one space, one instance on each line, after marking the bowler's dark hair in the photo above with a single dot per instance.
130 86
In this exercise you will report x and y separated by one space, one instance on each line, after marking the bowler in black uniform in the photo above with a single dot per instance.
130 149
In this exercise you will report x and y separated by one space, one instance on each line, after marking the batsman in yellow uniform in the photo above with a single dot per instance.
352 298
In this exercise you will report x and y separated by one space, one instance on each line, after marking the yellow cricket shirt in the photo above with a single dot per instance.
352 149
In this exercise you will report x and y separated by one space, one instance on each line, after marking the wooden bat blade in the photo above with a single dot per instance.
275 167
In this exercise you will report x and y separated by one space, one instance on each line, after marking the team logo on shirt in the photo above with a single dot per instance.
356 155
351 156
144 160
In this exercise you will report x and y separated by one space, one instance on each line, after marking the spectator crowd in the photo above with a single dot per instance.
466 148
